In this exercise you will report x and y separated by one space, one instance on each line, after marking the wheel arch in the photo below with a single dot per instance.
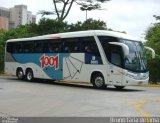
19 68
27 69
93 73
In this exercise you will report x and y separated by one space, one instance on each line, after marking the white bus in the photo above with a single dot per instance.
97 56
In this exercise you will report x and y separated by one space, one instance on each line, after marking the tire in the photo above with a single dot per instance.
119 87
20 74
29 75
98 81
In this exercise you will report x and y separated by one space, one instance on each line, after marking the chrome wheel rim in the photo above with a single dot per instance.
99 81
20 74
29 76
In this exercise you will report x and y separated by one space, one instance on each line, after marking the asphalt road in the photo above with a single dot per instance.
49 99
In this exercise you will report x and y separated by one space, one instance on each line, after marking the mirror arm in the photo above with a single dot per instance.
152 50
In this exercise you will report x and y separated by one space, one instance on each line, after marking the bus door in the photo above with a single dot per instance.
115 70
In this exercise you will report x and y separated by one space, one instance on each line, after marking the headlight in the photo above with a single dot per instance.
130 75
140 76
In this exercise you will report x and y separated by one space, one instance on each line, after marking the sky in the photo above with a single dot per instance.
132 16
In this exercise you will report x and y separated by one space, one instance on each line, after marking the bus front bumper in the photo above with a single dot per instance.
131 81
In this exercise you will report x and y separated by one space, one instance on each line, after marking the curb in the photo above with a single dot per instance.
6 75
152 85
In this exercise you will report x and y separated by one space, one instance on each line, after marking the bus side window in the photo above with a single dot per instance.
38 46
54 46
17 47
28 47
71 45
10 47
88 45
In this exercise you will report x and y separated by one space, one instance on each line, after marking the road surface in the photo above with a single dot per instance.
49 99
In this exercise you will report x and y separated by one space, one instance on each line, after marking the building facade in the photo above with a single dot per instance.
18 15
4 18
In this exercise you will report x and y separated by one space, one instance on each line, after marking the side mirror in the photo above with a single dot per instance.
152 50
124 47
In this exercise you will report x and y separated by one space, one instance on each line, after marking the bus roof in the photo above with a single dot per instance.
78 34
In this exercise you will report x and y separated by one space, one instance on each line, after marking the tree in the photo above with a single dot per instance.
89 24
153 41
157 18
66 6
50 26
94 24
153 36
61 14
89 7
2 44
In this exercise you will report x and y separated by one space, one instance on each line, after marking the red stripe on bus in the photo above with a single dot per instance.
54 36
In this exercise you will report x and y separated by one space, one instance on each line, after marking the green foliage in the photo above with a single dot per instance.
154 69
93 24
2 44
153 41
49 26
89 7
89 24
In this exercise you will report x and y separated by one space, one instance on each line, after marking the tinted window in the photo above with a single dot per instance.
38 46
116 57
113 52
10 47
14 47
53 46
88 45
71 45
28 47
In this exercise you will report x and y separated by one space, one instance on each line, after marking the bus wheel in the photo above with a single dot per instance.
119 87
29 75
98 81
20 74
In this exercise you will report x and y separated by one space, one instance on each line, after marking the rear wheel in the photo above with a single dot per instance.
98 81
29 75
20 74
119 87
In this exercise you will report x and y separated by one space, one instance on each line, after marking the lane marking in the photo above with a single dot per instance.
140 103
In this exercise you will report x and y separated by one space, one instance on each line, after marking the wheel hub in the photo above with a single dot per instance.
29 76
20 74
99 81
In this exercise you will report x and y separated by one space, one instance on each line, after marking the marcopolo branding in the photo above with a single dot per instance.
52 61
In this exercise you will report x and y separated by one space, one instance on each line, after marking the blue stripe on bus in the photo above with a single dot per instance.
51 71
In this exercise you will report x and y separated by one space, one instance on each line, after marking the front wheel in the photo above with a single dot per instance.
29 75
119 87
98 81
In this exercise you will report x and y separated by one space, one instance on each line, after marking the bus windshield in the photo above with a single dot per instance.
136 60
